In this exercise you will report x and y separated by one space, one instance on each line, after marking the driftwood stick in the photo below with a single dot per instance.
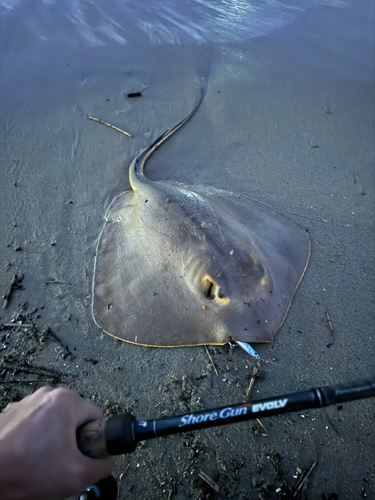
16 325
109 125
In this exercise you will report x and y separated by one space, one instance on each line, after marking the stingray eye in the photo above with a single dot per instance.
211 290
208 288
220 296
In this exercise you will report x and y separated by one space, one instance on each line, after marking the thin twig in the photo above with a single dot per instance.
49 335
120 478
209 355
262 426
252 380
335 428
209 481
109 125
9 294
170 494
275 464
30 381
304 479
123 473
57 282
36 370
329 321
16 325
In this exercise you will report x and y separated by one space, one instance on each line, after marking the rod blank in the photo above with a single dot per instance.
121 433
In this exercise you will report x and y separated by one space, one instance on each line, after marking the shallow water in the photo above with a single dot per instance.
162 21
156 41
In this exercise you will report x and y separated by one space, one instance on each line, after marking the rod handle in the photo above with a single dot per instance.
110 436
350 391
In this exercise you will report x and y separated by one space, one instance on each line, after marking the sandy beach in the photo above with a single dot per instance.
288 120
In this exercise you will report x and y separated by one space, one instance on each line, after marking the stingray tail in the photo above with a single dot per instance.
136 171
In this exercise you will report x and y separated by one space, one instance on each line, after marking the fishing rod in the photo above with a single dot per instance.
120 434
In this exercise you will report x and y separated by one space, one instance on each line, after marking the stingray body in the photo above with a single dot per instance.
179 266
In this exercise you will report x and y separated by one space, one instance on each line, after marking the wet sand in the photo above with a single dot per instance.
287 119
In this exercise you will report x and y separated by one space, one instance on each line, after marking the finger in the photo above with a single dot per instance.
86 412
38 394
80 409
41 391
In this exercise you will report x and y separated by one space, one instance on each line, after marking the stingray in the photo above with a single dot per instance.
179 265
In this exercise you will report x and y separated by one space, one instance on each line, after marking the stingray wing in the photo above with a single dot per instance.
139 289
284 247
138 297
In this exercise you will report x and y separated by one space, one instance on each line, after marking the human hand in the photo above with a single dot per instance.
39 457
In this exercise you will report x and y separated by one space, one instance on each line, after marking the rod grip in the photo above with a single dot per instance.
91 439
112 436
340 393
